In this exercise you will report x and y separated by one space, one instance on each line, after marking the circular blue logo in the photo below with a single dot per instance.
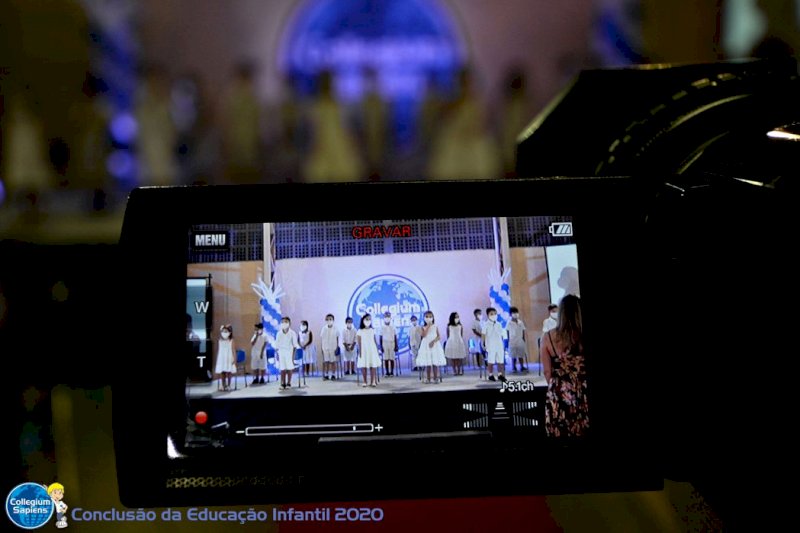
389 292
29 506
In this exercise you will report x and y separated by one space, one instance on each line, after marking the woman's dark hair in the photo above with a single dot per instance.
452 321
361 325
570 324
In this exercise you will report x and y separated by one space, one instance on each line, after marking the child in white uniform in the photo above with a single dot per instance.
258 361
551 322
285 345
388 343
476 343
414 340
349 344
368 351
329 340
431 354
493 336
517 343
455 349
307 345
226 359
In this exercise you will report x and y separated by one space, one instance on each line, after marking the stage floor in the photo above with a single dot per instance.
408 382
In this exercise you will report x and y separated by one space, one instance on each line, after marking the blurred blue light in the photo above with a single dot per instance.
122 165
409 39
407 44
124 128
2 193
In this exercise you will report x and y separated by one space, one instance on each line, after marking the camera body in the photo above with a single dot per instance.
324 440
678 259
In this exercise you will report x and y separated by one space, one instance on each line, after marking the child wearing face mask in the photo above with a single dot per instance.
455 349
307 345
493 336
368 351
414 340
517 343
431 354
329 340
388 343
226 360
285 345
258 360
476 343
349 344
551 322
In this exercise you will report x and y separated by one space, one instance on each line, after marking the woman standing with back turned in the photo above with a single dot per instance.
566 406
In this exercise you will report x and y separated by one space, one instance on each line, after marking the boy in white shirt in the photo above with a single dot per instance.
349 345
258 361
551 322
476 346
493 336
517 343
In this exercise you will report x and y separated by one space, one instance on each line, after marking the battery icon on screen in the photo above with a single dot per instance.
561 229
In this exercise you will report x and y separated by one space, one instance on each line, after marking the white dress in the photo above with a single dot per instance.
368 358
431 356
455 347
225 359
310 351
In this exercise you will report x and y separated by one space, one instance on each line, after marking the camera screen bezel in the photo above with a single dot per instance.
609 217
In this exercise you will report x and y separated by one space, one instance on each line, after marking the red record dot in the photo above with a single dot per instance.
201 417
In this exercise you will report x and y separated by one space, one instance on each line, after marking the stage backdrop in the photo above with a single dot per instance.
405 283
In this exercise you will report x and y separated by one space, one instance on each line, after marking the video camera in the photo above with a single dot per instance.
640 251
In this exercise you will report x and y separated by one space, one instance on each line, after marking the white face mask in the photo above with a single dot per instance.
350 326
515 315
457 320
478 318
554 315
284 326
428 320
303 328
387 320
226 334
367 323
493 318
329 322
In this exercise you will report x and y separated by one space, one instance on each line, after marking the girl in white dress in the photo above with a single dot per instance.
285 345
368 351
226 359
456 348
431 353
308 347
